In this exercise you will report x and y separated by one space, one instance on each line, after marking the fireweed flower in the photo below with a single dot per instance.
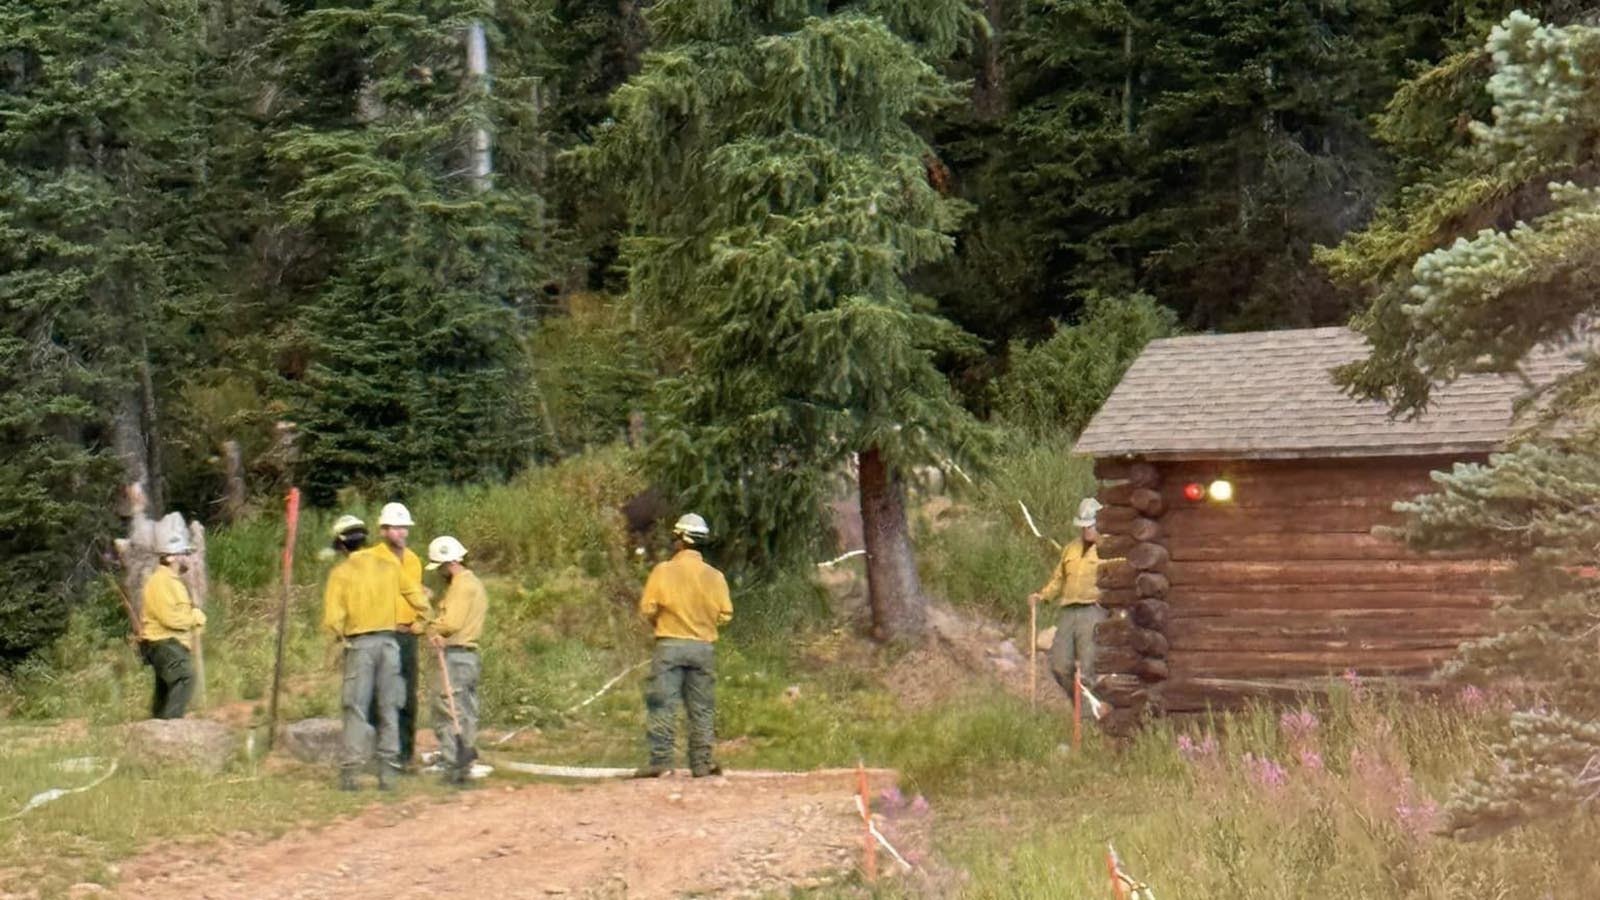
1265 772
1300 726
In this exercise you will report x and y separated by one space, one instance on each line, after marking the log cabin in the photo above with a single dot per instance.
1241 489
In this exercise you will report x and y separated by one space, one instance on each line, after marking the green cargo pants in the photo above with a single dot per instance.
1074 642
174 671
464 667
371 669
682 671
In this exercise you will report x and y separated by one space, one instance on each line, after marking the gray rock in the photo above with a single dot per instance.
199 744
316 741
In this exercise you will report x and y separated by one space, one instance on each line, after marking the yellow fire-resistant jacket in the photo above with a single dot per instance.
685 598
461 612
411 570
359 597
1073 581
168 612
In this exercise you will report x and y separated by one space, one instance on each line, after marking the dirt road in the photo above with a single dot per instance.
637 839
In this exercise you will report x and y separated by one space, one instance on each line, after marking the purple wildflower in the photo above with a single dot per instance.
1265 772
892 798
1353 680
1473 700
1310 760
1300 726
1418 815
919 806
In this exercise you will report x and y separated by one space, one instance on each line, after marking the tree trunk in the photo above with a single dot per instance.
899 609
989 96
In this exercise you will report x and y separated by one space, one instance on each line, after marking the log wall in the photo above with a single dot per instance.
1213 603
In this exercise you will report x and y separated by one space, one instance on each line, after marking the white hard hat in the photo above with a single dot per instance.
174 543
691 528
1087 510
395 515
445 549
347 523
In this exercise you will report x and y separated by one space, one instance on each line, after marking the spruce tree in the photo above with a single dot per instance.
91 120
778 198
411 280
1519 282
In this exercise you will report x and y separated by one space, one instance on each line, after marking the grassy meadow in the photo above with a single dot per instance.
1340 801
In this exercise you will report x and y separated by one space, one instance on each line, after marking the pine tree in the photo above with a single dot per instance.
411 280
90 122
778 198
1484 303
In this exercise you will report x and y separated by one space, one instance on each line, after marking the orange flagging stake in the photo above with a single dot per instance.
1112 869
869 844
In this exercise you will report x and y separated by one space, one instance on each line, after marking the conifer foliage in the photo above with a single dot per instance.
413 275
778 197
1487 302
90 118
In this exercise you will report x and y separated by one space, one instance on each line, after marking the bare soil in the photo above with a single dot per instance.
669 837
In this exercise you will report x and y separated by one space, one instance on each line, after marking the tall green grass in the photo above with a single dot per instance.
985 556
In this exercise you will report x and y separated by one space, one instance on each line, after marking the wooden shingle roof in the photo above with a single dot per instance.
1270 395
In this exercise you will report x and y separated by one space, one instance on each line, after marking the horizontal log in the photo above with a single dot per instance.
1148 557
1148 502
1149 668
1145 529
1115 519
1270 546
1198 694
1282 664
1349 646
1116 658
1115 546
1307 481
1335 622
1210 601
1117 494
1122 689
1153 585
1151 614
1118 597
1145 475
1335 573
1121 630
1185 523
1115 573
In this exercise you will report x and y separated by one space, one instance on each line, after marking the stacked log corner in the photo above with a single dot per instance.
1132 643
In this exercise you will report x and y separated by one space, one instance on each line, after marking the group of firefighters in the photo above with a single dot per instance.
376 606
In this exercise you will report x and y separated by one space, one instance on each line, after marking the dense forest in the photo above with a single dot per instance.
390 245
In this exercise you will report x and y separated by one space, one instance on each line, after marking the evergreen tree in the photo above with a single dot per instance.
89 166
778 198
411 279
1486 302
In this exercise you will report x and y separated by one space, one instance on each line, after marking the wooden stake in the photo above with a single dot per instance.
1077 706
291 526
1033 655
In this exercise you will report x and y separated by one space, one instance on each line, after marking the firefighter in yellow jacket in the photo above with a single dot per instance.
456 633
394 526
358 608
685 600
169 624
1073 586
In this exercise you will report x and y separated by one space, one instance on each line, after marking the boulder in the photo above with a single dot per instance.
199 744
316 741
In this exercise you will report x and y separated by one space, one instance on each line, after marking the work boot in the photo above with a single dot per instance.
652 771
709 772
347 781
387 775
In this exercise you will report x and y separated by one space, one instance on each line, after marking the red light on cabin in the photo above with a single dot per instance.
1194 492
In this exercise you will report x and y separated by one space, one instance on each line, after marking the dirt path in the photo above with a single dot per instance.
636 839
